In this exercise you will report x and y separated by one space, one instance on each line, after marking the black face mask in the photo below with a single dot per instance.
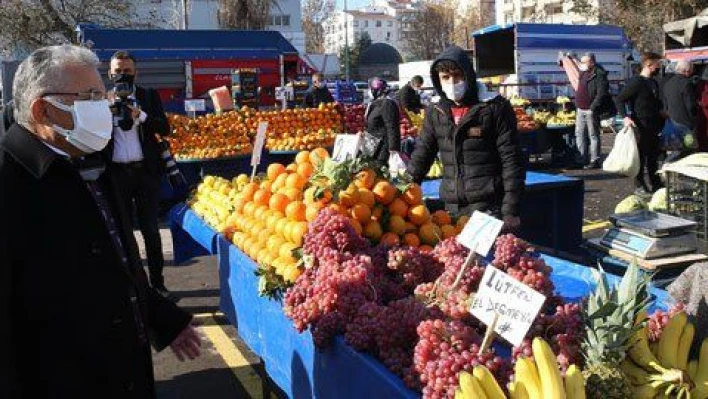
123 78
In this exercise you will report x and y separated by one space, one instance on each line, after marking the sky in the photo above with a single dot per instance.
352 4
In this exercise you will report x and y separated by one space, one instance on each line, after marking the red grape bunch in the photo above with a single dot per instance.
659 319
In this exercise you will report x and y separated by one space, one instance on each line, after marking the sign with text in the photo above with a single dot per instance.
346 147
194 105
259 143
480 232
515 304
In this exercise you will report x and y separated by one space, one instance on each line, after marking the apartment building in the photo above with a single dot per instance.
543 11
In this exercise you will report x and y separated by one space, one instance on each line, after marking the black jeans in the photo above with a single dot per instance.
135 186
649 151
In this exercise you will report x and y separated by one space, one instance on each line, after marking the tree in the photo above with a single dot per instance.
313 13
28 24
468 20
642 20
245 14
355 52
434 25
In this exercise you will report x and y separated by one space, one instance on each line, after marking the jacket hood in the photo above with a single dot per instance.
458 56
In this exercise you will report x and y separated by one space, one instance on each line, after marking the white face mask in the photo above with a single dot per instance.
93 124
583 67
455 91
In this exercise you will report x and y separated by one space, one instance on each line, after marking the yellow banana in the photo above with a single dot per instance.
548 372
644 392
527 373
692 369
636 375
699 392
458 394
639 350
669 342
467 384
488 382
702 371
477 391
685 342
517 390
574 383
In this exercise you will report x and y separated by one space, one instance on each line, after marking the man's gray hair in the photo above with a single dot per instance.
44 72
683 66
591 56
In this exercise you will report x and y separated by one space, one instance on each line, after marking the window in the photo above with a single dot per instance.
389 24
286 20
388 36
378 24
366 24
356 24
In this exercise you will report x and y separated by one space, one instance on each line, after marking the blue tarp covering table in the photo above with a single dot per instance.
291 359
551 210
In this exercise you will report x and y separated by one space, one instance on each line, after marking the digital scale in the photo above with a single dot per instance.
651 235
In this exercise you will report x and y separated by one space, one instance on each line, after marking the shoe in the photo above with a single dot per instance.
165 293
592 165
641 191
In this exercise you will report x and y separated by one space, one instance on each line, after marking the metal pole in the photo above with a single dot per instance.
346 42
184 14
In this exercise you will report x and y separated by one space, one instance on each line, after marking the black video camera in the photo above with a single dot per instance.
120 107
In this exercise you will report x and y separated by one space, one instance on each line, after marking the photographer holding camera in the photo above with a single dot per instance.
135 161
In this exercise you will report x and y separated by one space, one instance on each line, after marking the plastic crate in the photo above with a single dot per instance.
687 197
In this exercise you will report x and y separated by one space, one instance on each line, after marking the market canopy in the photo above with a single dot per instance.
689 32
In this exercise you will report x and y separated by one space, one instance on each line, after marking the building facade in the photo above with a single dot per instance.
544 11
286 17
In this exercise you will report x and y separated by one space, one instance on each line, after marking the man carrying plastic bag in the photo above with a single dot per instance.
624 157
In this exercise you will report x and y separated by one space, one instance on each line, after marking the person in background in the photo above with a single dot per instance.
591 98
383 120
702 123
409 95
639 104
483 164
679 97
135 164
318 93
76 315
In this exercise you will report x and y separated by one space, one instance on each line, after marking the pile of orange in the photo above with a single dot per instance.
302 129
209 137
270 217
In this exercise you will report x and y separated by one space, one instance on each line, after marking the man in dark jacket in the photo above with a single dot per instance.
318 93
679 96
76 315
483 166
135 165
591 99
409 95
383 121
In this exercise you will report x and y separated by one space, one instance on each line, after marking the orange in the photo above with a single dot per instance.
418 215
249 191
302 157
365 179
263 237
372 231
238 238
261 197
296 211
278 202
426 248
238 205
390 239
448 231
397 225
291 168
280 227
296 181
312 211
441 218
461 223
350 196
272 220
357 226
430 234
384 192
305 170
292 193
411 240
297 233
248 208
366 197
286 250
274 170
259 212
361 213
341 209
266 185
279 182
309 195
413 194
398 207
317 156
291 274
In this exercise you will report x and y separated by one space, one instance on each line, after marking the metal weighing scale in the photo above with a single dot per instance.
650 235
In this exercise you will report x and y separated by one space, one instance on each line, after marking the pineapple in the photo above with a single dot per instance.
609 325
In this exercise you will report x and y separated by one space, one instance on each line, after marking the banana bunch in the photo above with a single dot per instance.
562 100
539 379
542 117
517 101
663 369
436 171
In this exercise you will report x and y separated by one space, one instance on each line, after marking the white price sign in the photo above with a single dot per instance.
259 143
194 105
346 147
515 304
480 232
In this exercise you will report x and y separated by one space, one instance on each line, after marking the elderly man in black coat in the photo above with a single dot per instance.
76 314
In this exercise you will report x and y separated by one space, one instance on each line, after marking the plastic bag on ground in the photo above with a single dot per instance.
624 157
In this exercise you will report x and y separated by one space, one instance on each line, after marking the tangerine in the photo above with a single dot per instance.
350 196
294 180
441 218
411 240
365 179
384 192
398 207
390 239
448 231
361 213
397 225
261 197
274 170
413 194
430 234
296 211
366 197
302 157
418 215
373 231
278 202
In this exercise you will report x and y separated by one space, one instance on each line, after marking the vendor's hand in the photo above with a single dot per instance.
628 122
134 112
511 223
187 344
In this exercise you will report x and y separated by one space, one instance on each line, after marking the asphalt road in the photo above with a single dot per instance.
227 369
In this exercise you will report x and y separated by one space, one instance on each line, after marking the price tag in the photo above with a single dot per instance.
511 302
195 105
259 143
346 147
480 232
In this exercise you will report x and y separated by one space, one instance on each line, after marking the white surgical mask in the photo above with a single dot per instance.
93 124
583 67
456 91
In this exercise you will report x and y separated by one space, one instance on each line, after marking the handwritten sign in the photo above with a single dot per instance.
195 105
480 232
513 303
259 143
346 147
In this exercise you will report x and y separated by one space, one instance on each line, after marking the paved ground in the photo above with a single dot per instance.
227 369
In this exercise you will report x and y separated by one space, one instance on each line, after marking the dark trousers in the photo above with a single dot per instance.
135 187
649 151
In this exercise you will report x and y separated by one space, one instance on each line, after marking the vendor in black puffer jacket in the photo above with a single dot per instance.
383 121
483 166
